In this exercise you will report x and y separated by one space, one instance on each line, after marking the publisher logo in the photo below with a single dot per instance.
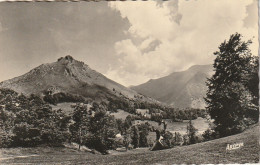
234 146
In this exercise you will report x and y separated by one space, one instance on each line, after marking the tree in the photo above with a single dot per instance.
127 138
128 122
120 125
143 133
191 133
125 129
135 136
54 129
232 96
102 131
79 128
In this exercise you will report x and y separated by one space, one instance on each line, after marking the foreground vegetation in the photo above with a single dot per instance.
30 122
213 152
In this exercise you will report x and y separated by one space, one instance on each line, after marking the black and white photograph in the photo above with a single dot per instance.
129 82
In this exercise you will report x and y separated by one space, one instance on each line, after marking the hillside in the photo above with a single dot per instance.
212 152
180 89
69 76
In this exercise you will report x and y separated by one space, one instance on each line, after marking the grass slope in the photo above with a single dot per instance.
66 107
213 152
120 114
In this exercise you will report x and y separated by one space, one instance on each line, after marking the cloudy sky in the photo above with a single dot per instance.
129 42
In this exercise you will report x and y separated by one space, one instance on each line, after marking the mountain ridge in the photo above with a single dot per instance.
183 89
70 76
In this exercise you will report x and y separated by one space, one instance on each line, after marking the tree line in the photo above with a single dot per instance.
28 121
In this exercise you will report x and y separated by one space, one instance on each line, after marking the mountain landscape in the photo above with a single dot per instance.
142 125
181 89
184 89
69 76
154 82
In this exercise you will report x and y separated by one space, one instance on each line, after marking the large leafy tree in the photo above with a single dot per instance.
232 96
102 131
79 128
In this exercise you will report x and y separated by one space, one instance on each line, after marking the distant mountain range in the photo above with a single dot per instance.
69 76
180 89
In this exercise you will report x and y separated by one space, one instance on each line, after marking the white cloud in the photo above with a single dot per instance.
189 32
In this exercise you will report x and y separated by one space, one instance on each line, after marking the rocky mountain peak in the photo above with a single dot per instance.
69 76
67 58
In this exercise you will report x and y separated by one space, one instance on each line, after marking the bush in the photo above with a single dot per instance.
199 138
178 140
210 134
168 139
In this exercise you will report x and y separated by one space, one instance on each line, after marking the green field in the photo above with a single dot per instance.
181 127
213 152
66 107
120 114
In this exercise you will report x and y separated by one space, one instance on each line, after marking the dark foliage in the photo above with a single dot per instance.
143 133
102 129
191 133
209 134
168 139
79 128
232 95
29 121
62 97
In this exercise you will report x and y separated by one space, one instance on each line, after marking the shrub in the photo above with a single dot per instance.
178 140
168 139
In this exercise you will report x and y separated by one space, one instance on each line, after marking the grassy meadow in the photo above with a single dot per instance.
213 152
